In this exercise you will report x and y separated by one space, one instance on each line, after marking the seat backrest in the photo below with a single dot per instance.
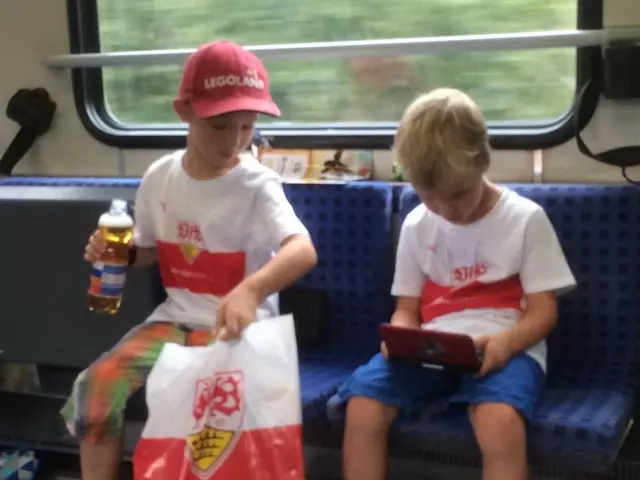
44 279
351 227
599 230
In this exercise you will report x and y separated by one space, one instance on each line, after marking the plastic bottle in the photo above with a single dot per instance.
109 273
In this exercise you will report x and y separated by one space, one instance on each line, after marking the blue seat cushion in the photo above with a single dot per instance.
577 424
322 371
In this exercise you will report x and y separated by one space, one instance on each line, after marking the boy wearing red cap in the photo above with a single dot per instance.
212 217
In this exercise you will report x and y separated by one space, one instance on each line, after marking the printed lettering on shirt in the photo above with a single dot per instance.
467 274
189 231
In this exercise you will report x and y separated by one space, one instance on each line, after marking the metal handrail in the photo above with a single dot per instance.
366 48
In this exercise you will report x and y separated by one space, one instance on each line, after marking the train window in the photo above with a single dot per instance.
526 95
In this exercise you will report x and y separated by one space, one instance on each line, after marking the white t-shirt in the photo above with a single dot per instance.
210 234
472 278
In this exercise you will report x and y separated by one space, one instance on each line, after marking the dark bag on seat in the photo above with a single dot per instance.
310 309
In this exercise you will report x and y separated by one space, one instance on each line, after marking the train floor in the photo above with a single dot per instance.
321 465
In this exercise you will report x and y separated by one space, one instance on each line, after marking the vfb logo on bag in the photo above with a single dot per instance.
218 412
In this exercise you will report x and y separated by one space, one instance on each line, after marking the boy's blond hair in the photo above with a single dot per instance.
442 139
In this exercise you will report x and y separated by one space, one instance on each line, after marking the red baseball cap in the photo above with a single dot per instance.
222 77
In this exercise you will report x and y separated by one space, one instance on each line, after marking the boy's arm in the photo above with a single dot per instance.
407 312
143 251
537 322
142 257
278 228
295 258
544 274
408 279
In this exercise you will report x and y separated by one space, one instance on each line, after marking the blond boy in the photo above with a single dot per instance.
499 252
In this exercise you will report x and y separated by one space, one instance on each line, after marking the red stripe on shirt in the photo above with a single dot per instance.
438 300
199 271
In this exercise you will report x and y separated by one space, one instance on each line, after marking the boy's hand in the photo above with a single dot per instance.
236 311
96 246
406 315
496 351
383 350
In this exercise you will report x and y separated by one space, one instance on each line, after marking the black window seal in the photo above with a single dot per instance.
89 100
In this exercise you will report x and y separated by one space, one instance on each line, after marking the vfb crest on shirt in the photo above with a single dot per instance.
190 240
218 411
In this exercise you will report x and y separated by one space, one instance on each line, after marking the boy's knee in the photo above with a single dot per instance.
100 373
86 381
92 424
367 414
499 429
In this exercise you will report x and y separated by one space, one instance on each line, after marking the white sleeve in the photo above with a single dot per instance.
408 279
275 219
544 267
144 235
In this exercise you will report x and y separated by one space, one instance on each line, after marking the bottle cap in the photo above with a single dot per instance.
118 205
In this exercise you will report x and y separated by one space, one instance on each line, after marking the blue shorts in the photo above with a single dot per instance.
410 387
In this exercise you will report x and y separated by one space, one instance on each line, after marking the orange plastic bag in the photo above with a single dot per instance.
230 410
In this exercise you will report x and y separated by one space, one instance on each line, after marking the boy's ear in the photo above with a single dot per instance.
484 162
183 110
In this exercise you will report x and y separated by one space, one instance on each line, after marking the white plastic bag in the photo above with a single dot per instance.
230 410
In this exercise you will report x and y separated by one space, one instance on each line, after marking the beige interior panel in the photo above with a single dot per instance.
621 13
614 124
67 149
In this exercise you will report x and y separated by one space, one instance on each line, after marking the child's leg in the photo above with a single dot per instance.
198 338
375 394
365 438
501 435
94 411
500 406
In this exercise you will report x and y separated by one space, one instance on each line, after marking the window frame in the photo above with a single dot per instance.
90 105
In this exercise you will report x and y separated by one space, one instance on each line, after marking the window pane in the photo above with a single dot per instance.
528 86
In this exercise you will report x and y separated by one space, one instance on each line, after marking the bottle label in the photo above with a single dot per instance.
107 279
